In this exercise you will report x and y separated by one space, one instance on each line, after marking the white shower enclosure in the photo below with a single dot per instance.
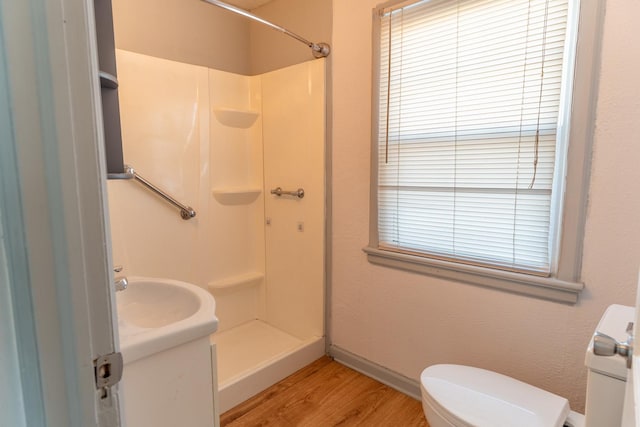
220 142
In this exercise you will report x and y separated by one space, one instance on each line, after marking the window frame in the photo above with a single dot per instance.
563 285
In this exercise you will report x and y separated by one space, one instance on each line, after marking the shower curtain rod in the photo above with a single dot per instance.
319 50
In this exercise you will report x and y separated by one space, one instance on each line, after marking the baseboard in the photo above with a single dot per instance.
386 376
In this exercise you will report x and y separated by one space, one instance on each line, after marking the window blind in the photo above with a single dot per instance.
469 105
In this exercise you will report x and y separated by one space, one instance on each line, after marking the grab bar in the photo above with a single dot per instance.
299 193
186 212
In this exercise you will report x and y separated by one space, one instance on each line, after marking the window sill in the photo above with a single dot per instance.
540 287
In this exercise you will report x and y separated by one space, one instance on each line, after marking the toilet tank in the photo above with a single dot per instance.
607 376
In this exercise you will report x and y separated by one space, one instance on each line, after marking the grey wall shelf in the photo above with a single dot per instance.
109 86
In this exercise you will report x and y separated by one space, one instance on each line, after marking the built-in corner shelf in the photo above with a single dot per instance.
236 195
236 118
234 282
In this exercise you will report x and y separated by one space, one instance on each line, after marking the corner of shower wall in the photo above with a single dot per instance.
289 333
237 249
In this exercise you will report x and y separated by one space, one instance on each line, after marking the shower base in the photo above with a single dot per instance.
255 355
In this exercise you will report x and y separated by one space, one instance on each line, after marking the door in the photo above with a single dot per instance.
57 305
17 334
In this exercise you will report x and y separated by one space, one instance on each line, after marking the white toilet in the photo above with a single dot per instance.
463 396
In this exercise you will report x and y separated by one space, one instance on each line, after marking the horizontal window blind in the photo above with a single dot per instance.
469 99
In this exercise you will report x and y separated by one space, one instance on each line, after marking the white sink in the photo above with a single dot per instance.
158 314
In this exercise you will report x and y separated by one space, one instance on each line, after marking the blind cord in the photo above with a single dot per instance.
536 146
455 135
386 142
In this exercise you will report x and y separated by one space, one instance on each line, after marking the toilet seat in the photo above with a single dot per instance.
463 396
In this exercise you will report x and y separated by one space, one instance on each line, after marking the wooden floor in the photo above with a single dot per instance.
327 393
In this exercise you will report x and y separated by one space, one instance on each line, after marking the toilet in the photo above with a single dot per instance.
464 396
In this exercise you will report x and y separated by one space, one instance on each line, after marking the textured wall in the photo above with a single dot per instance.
405 321
189 31
194 32
271 50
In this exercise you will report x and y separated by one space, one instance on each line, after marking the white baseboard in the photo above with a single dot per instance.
386 376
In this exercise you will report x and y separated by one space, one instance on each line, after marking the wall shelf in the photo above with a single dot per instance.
236 195
236 118
108 87
108 81
234 282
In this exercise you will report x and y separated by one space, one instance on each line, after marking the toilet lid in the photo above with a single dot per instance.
469 396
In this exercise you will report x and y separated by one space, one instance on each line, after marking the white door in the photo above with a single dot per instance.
56 303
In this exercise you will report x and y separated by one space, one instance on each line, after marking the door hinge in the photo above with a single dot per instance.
108 370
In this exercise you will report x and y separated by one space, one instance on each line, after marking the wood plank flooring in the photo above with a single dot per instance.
326 393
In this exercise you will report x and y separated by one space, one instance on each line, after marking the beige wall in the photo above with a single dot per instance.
194 32
271 50
189 31
405 321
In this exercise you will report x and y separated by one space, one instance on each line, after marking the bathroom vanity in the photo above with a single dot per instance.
169 364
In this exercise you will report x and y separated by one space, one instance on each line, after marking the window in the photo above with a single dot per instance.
472 143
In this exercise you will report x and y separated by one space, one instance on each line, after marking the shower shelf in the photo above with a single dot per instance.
234 282
108 81
236 195
236 118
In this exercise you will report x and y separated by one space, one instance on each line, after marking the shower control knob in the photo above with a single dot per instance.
604 345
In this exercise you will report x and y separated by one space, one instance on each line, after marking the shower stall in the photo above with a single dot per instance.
247 153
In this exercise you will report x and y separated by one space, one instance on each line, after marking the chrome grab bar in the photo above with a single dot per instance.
299 193
186 212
